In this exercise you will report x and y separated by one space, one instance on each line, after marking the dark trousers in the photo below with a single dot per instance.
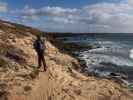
41 60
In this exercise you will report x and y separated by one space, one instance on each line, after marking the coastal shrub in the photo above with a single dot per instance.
35 72
3 63
27 88
17 57
3 91
33 66
13 53
4 48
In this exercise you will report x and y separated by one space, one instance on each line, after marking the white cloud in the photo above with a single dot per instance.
116 17
3 7
45 11
101 17
130 2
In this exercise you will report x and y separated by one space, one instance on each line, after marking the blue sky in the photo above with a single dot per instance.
18 4
70 15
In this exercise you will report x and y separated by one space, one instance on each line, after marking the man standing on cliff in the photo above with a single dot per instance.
39 47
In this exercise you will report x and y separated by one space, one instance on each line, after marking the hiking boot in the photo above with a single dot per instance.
45 69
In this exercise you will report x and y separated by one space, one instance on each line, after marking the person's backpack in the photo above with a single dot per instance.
35 45
38 45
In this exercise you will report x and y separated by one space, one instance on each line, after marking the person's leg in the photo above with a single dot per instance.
44 63
39 61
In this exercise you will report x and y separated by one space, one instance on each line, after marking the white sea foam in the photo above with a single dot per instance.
98 49
108 55
131 54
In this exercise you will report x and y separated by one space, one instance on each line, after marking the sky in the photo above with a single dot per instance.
78 16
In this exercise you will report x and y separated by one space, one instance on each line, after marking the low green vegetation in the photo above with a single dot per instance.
35 72
3 62
13 53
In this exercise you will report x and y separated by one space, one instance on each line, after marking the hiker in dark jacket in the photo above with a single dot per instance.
39 47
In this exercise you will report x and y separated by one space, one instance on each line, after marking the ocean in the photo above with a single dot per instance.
113 55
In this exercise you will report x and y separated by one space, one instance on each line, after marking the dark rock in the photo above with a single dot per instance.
16 56
27 88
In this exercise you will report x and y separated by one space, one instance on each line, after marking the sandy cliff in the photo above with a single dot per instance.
20 79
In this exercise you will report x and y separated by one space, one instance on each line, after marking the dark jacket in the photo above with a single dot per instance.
39 45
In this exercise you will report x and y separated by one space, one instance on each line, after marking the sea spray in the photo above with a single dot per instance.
131 54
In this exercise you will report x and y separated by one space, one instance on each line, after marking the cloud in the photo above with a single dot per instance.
130 2
3 7
44 11
100 17
109 17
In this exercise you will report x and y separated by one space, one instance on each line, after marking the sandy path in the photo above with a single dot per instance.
43 88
